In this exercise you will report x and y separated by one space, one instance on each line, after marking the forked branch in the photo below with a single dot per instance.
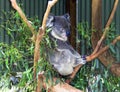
106 29
91 57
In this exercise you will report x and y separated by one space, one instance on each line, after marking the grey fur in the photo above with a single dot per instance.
63 57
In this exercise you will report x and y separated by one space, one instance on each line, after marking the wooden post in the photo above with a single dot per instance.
71 9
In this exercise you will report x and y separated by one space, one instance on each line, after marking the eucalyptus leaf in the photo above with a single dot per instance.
112 48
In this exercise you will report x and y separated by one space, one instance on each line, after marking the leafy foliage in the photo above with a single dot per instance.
17 57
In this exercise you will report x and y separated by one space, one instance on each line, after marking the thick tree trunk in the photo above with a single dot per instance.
71 9
106 58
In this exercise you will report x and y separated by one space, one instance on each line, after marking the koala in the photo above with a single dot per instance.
62 56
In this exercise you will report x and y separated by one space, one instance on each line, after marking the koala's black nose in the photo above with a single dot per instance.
67 33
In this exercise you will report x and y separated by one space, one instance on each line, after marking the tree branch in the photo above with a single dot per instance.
22 15
37 50
102 50
40 82
112 14
49 6
40 35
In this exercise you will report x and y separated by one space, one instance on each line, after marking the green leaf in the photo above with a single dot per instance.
7 64
112 48
48 30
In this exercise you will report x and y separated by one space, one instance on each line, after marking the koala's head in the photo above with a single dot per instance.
60 26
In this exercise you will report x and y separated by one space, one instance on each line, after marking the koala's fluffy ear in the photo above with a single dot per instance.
50 21
67 16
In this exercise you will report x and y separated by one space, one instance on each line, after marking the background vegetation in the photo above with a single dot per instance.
16 59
